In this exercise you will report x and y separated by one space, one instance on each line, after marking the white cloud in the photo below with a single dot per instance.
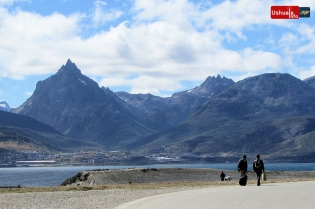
165 42
6 2
308 33
33 44
301 3
289 39
143 84
178 12
102 16
307 73
10 2
234 16
28 93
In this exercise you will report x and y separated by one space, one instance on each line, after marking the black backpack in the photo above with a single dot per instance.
257 164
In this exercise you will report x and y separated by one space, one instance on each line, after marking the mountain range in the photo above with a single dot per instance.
170 111
234 121
272 114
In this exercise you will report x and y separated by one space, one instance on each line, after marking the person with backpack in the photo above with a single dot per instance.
258 168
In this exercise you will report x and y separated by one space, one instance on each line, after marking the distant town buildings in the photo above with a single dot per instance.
83 158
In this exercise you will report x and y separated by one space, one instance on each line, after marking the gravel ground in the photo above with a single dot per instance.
75 200
110 198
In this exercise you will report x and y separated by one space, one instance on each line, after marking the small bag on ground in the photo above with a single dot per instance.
243 180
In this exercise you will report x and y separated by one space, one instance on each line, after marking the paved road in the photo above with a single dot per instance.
297 195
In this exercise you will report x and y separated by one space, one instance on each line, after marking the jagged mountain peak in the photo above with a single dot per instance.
69 67
223 80
211 86
69 62
218 77
67 89
76 106
70 73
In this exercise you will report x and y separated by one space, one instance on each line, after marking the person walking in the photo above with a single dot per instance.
258 168
242 166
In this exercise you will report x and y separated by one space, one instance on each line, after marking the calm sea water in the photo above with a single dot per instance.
54 176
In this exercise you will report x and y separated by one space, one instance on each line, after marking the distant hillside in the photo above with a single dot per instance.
13 139
22 121
288 139
23 133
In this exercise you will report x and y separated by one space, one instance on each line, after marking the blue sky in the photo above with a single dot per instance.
149 46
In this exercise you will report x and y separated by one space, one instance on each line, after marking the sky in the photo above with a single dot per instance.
149 46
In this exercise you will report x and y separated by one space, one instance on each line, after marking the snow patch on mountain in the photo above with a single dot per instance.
84 83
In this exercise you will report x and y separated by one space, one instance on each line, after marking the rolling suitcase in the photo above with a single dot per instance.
263 176
243 180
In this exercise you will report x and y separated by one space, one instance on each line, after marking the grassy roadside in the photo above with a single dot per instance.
189 185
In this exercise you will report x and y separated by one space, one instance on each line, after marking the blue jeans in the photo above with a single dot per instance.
258 173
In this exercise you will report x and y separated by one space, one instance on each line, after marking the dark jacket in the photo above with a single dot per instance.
258 166
242 165
222 175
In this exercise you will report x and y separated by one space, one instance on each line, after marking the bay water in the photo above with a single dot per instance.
54 176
